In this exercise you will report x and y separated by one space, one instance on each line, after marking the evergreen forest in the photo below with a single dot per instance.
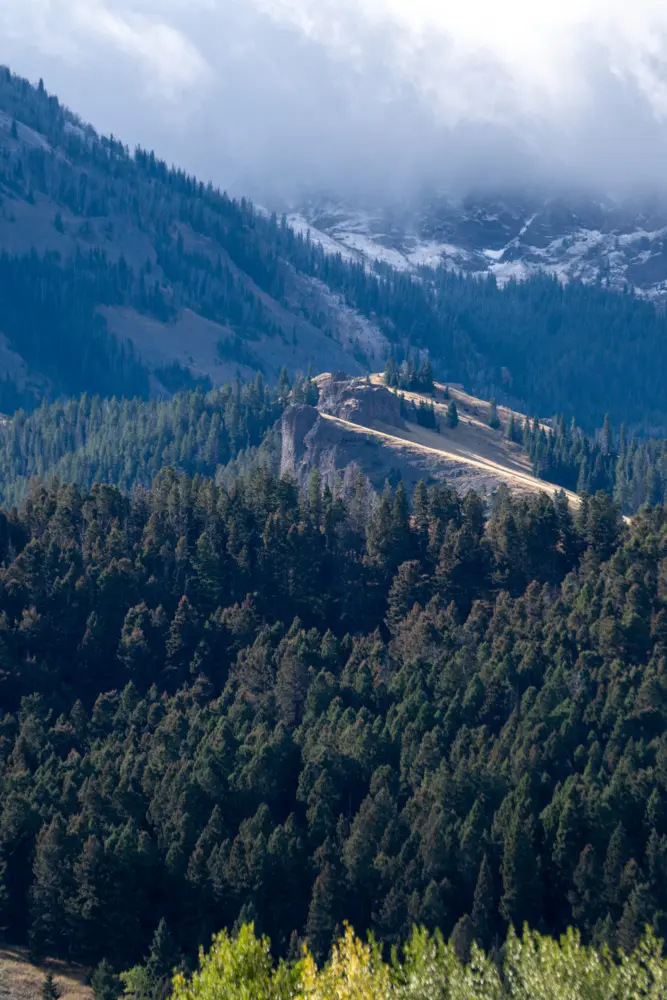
239 718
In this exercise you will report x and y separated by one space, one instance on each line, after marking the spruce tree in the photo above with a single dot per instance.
483 907
105 983
462 938
494 419
50 988
322 915
163 957
452 415
49 889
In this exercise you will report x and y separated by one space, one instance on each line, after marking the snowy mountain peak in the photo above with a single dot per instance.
509 237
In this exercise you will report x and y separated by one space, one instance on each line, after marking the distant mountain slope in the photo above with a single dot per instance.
511 236
121 276
184 273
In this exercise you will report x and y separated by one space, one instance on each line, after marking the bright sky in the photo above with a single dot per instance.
348 91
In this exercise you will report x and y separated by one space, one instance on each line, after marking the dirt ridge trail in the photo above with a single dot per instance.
416 438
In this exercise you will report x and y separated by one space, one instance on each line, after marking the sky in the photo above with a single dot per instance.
368 98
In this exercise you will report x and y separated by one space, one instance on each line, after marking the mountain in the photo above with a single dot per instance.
232 698
120 276
512 236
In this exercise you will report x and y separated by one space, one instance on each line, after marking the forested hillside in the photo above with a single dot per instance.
130 266
127 442
233 703
227 701
633 471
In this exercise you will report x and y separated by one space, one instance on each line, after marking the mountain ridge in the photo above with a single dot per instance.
359 425
122 276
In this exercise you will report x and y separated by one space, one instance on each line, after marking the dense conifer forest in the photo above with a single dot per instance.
227 702
127 442
224 704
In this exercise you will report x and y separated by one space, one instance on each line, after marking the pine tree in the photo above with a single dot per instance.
209 574
407 589
452 415
484 904
284 384
182 640
521 900
638 914
322 912
50 988
433 913
49 889
462 938
85 904
163 957
494 419
105 983
607 436
615 862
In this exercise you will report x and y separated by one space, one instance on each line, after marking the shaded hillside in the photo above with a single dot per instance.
114 248
131 267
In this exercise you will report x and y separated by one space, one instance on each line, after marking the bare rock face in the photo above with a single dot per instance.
356 400
297 422
312 441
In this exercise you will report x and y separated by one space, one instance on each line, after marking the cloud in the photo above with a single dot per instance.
376 97
78 32
170 62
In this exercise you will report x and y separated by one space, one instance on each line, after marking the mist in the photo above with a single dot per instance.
281 99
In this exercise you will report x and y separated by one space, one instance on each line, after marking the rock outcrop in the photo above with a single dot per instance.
358 401
357 426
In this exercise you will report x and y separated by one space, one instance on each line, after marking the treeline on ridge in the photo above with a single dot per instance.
126 442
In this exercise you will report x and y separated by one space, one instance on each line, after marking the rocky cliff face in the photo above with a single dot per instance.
322 437
340 451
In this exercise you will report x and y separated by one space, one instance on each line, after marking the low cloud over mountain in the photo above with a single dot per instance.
274 96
